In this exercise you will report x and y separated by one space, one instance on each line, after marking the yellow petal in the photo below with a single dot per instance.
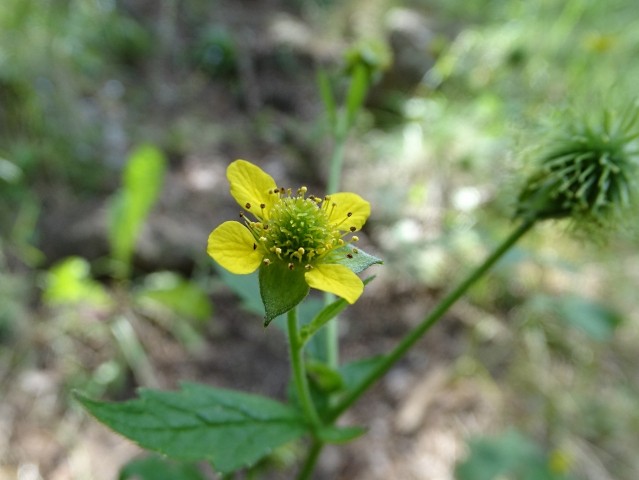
345 204
336 279
250 186
233 247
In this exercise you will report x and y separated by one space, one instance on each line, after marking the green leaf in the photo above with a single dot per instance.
325 378
359 262
339 435
172 291
354 372
510 455
154 467
232 430
593 318
141 185
281 289
69 282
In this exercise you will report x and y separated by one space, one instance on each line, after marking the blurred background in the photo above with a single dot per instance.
117 121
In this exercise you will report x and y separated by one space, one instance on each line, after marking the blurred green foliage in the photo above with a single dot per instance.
142 182
510 455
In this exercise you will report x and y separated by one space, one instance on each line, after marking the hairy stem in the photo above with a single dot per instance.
299 371
438 312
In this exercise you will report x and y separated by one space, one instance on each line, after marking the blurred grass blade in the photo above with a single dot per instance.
356 93
328 99
133 352
141 185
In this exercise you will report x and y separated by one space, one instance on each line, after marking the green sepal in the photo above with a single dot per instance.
339 435
356 259
281 288
232 430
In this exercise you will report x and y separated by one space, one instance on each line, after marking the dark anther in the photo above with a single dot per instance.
247 206
262 205
291 266
348 255
353 229
349 214
254 246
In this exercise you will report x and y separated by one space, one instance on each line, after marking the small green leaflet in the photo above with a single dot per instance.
230 429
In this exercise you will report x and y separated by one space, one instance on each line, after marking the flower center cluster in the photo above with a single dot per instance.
298 230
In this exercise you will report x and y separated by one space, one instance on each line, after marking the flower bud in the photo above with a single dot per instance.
587 173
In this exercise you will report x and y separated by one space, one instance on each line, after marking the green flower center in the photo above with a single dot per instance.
298 230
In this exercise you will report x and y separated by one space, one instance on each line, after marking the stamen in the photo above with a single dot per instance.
266 262
291 266
354 238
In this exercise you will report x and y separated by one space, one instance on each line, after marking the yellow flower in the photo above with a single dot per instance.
284 227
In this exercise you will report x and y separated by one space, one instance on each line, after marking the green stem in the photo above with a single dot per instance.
414 335
336 164
299 371
311 459
328 337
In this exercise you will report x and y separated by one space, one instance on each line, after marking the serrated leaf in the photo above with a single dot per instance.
230 429
281 289
358 261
